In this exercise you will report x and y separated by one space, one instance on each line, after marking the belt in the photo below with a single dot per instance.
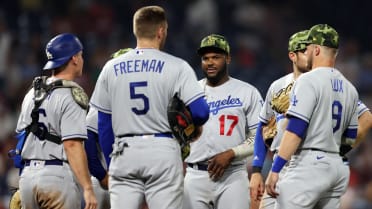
46 162
198 166
315 149
166 134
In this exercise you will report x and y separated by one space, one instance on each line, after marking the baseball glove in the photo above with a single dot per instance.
180 122
15 201
269 131
280 101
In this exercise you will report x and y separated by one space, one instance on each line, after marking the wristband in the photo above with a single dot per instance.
278 164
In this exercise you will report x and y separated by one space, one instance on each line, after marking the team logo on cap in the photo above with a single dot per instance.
48 54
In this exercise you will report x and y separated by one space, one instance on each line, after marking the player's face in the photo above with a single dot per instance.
309 55
214 67
301 61
79 63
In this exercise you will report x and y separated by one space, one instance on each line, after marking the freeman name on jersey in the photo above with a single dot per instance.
138 66
217 105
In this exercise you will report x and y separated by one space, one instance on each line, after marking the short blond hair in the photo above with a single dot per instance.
147 20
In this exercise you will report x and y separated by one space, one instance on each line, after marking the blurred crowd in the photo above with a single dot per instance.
258 33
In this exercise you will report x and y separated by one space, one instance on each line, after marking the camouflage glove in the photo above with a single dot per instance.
15 201
269 131
280 101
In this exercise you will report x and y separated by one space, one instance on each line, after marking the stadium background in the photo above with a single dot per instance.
258 33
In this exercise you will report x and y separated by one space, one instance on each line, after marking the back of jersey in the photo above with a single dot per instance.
327 101
137 86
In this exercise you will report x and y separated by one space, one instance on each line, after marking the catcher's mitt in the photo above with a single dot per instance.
269 131
280 101
15 201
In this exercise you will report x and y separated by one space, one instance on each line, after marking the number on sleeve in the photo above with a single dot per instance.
134 95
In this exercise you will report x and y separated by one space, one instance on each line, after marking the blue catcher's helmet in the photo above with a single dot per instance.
60 49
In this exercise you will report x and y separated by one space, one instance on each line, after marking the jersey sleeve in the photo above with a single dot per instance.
73 124
302 99
187 85
92 120
100 97
267 112
361 108
254 110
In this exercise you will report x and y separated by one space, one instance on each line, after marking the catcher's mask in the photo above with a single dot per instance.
60 49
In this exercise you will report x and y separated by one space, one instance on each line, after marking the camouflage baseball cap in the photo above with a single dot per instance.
120 52
298 41
214 42
324 35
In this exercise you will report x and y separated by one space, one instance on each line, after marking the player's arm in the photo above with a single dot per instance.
364 125
105 135
290 142
200 113
291 139
94 163
218 163
78 162
256 183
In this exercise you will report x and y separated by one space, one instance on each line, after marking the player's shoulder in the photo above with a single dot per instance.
240 83
172 58
282 81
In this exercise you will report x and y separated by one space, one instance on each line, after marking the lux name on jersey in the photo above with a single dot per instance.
337 85
215 106
138 66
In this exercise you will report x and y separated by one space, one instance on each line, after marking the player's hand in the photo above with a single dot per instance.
198 132
90 199
257 187
104 182
271 181
218 164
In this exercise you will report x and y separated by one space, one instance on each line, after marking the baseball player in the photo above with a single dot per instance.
216 175
322 112
96 161
55 160
296 47
133 91
364 122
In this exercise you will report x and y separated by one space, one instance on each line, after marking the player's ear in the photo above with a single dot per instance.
228 59
317 49
292 56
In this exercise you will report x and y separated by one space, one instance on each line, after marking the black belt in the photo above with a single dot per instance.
316 149
46 162
166 134
198 166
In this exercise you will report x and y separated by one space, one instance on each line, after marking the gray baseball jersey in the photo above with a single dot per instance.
327 101
312 102
133 87
234 108
39 181
361 108
61 115
267 112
